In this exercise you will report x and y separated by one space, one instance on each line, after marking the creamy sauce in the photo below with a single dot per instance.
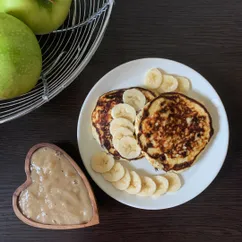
57 194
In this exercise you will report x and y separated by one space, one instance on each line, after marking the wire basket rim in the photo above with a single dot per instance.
73 75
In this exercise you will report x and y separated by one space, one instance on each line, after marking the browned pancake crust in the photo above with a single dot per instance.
172 136
101 116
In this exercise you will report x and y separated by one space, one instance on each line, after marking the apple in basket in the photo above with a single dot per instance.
20 57
42 16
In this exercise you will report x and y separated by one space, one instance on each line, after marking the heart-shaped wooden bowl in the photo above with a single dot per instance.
20 215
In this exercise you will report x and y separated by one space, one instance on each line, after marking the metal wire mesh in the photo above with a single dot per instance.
65 53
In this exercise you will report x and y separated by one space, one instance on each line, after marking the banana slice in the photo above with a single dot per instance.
120 122
153 78
183 84
119 134
148 187
124 182
128 147
135 183
162 185
169 84
101 162
134 98
174 181
123 110
115 174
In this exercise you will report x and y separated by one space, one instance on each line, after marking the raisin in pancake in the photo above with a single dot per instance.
101 117
172 130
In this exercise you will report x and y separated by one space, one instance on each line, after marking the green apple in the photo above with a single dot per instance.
42 16
20 57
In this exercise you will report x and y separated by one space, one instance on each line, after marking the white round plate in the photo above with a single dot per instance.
195 179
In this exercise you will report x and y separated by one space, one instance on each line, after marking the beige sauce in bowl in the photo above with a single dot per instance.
57 194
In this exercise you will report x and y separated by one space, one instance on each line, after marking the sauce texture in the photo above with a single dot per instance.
57 194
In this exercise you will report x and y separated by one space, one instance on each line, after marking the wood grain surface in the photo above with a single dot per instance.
204 34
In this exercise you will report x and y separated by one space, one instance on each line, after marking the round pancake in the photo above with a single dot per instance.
101 117
172 131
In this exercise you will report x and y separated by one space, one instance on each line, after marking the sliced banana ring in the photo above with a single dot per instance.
115 174
183 84
128 147
123 110
148 187
174 181
102 162
135 183
169 84
124 182
120 122
134 98
162 185
119 134
153 78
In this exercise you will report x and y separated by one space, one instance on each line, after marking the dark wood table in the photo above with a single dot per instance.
206 35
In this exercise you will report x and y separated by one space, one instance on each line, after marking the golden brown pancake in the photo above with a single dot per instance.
101 117
172 131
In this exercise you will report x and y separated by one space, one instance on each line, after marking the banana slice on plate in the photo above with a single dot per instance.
102 162
124 182
123 110
153 78
174 181
128 147
183 84
135 183
169 84
148 187
115 174
120 122
162 185
119 134
134 98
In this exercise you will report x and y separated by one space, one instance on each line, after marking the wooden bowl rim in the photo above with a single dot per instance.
28 182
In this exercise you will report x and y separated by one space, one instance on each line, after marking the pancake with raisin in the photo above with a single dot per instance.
101 117
172 130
